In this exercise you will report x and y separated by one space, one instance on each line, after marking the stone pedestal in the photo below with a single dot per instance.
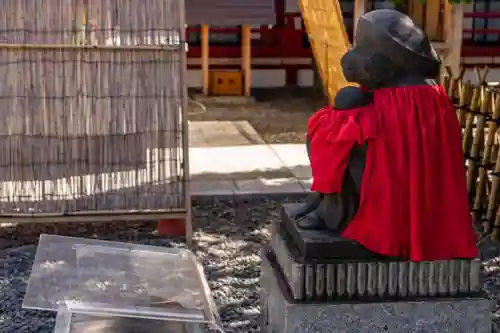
333 279
281 314
314 281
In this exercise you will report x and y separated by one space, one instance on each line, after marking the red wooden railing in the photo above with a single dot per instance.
470 48
289 41
286 42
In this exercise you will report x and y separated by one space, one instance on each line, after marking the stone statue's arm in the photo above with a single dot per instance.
349 98
337 209
346 99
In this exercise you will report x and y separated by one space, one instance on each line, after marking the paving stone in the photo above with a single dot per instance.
279 185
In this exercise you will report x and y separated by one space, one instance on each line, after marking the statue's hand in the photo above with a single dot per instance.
351 98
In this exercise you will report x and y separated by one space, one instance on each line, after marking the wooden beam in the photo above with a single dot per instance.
205 57
416 11
360 8
433 22
447 21
246 63
453 32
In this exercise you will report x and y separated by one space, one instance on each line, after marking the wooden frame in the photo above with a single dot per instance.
245 55
185 130
98 216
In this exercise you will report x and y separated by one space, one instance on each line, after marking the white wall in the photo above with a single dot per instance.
260 78
292 6
276 78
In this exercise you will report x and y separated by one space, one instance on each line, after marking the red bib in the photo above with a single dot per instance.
414 200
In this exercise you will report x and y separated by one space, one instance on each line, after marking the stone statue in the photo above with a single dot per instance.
400 128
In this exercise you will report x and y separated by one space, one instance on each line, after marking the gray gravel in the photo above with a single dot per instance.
228 237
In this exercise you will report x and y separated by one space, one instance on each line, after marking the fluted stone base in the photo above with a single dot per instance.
281 314
333 279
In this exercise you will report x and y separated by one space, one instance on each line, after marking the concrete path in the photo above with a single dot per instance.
230 158
249 169
222 133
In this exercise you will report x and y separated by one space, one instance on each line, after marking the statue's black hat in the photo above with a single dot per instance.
393 34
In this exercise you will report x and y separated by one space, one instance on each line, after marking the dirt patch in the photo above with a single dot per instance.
278 115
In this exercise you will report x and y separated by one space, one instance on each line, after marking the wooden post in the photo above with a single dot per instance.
450 49
416 10
205 57
246 63
433 20
360 8
454 34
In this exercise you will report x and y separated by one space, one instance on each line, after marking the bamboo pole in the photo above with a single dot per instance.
482 75
465 95
468 133
205 56
495 182
84 24
246 64
455 84
481 189
474 163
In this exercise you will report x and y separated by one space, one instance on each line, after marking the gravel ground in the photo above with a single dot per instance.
228 240
229 236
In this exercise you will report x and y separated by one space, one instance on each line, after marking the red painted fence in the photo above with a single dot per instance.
290 42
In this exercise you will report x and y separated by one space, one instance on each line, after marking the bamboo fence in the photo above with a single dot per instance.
478 111
92 101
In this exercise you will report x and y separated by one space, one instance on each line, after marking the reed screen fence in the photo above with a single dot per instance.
92 102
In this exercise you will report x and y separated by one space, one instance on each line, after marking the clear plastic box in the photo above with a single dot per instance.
111 279
67 322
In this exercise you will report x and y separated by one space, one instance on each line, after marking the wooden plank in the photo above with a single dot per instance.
325 27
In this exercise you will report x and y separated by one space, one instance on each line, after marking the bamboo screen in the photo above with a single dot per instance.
92 105
478 111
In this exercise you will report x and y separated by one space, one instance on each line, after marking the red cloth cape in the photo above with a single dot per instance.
414 201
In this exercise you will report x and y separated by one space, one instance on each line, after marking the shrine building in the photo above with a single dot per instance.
264 43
